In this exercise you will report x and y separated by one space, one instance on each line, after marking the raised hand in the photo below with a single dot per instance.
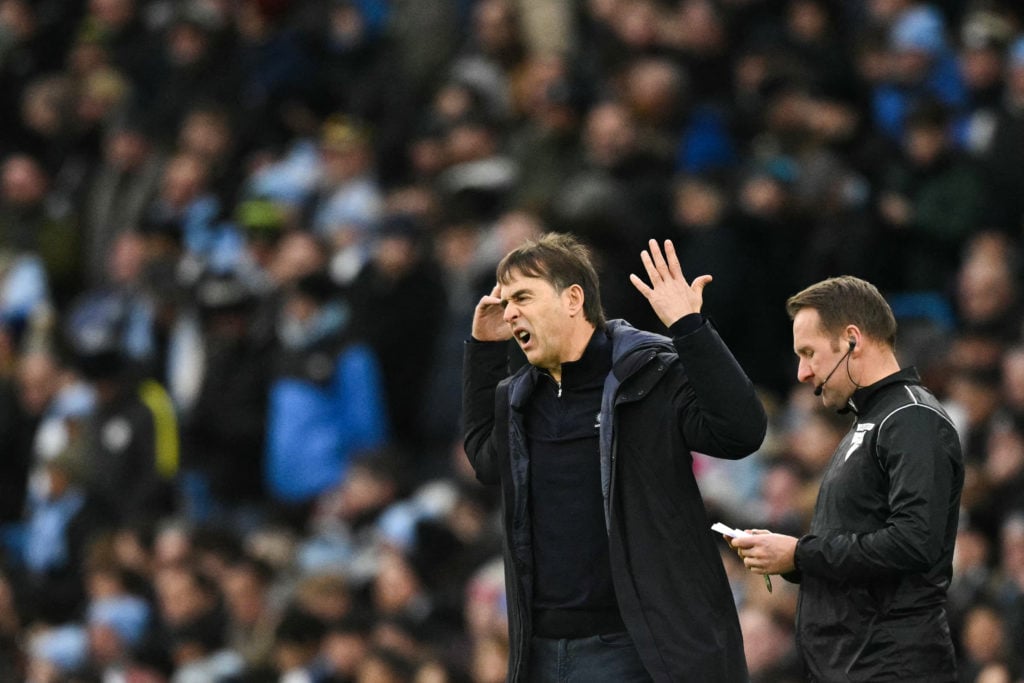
488 318
669 294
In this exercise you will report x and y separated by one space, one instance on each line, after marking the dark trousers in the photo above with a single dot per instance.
611 658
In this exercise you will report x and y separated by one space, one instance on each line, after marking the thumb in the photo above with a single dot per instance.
696 287
700 283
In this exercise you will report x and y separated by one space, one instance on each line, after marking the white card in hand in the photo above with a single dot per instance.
728 530
736 533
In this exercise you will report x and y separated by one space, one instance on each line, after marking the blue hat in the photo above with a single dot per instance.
128 615
920 29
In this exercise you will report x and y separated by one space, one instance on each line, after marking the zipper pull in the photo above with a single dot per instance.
559 390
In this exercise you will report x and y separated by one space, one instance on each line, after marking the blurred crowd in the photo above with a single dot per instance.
240 246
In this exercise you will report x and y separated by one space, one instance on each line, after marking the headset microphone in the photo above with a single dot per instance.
821 387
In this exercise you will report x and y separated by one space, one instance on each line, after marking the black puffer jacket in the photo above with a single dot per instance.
876 564
663 399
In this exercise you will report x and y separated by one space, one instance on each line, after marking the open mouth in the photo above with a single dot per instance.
523 336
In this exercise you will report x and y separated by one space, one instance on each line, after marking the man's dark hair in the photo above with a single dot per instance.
847 300
562 260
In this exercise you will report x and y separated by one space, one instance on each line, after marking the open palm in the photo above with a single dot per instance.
669 293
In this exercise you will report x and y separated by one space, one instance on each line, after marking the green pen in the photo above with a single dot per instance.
768 582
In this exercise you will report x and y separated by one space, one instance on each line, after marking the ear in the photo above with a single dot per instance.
853 335
574 299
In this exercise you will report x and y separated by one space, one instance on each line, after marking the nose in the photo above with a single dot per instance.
803 371
510 313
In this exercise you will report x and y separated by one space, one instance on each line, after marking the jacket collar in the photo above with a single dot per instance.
627 339
595 361
862 398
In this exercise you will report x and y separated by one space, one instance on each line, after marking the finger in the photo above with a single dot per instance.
641 285
652 271
674 267
487 302
659 260
491 299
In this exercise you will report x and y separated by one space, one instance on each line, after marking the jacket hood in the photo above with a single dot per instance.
627 341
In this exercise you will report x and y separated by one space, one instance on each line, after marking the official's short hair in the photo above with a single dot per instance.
847 300
562 260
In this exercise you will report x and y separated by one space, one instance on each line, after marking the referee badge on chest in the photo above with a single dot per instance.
858 438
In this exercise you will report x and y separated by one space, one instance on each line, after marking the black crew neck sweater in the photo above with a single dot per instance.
573 594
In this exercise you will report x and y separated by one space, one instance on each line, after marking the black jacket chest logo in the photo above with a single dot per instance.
861 431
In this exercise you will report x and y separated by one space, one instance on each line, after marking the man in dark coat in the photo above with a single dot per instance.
130 457
224 432
400 288
875 567
611 571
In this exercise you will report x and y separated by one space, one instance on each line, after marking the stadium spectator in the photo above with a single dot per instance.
326 398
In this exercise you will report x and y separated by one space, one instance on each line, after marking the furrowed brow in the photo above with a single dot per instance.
518 294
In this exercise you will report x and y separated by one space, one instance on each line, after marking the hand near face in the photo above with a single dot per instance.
669 294
488 320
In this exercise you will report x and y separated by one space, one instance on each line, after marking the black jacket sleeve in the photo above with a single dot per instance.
485 364
722 415
911 448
